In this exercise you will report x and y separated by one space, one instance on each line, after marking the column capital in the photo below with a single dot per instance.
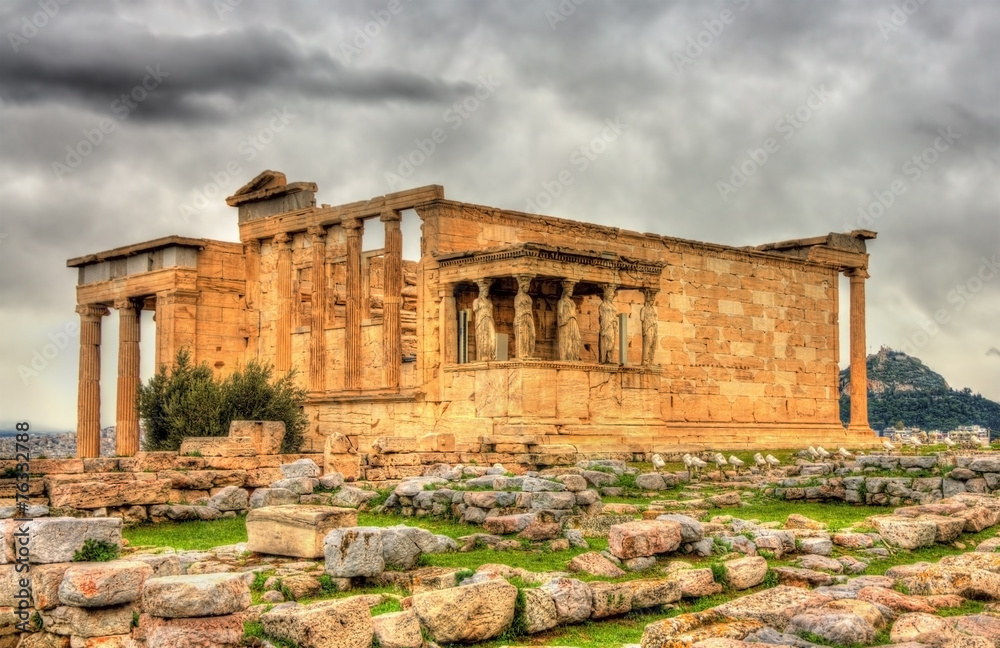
316 232
352 223
390 215
282 239
92 311
525 276
857 273
253 245
127 302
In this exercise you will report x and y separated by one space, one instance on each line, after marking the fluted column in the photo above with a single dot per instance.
127 418
283 325
859 354
392 299
352 331
88 403
317 330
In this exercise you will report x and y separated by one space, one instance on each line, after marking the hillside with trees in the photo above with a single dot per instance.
902 388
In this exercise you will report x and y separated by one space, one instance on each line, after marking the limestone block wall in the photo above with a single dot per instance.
220 320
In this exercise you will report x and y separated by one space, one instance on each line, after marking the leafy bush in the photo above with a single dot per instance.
96 551
189 400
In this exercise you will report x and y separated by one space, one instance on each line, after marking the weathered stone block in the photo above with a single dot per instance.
295 530
344 623
88 622
265 436
644 538
198 595
99 494
398 630
198 632
354 551
103 584
271 497
56 540
468 614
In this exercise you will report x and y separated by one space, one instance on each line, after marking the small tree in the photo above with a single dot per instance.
189 401
250 394
184 401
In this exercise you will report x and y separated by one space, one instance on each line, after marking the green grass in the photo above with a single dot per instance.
198 535
835 515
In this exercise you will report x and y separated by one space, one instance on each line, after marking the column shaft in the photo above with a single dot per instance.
127 418
392 300
283 325
88 404
859 354
317 334
352 331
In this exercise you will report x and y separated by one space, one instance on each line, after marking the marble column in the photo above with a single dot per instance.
352 331
859 353
392 299
283 324
317 327
127 418
524 319
88 403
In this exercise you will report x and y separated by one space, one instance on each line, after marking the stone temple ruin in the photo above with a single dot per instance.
514 331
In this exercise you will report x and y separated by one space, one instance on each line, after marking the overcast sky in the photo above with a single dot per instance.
126 121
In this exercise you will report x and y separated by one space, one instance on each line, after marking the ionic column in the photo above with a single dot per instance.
127 418
317 332
283 326
88 402
392 299
352 331
859 355
524 319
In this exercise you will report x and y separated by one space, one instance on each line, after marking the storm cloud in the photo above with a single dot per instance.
123 121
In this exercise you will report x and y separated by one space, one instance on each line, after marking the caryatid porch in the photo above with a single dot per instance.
529 295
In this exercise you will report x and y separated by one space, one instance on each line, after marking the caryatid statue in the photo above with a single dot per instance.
486 330
569 329
524 319
649 321
609 326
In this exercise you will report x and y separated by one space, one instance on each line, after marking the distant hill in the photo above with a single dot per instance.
902 388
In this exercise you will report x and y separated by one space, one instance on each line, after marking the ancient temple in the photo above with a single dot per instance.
508 325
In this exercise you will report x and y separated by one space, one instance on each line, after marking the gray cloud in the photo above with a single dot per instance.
558 81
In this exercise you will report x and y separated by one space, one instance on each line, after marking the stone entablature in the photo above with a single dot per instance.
730 343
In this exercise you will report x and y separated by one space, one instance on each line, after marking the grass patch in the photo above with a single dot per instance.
835 515
200 534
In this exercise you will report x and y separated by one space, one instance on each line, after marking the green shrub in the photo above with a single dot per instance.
189 400
96 551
